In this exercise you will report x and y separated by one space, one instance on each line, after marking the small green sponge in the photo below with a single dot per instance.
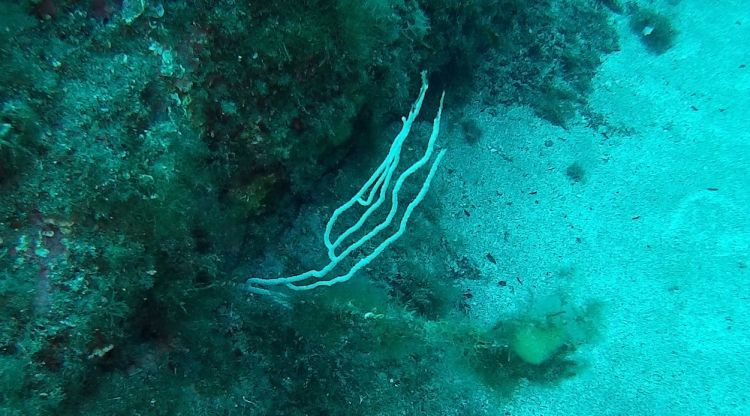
535 344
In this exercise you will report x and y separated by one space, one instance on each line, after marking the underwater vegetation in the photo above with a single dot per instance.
653 28
152 152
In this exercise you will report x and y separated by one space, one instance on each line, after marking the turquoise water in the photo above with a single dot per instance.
215 207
